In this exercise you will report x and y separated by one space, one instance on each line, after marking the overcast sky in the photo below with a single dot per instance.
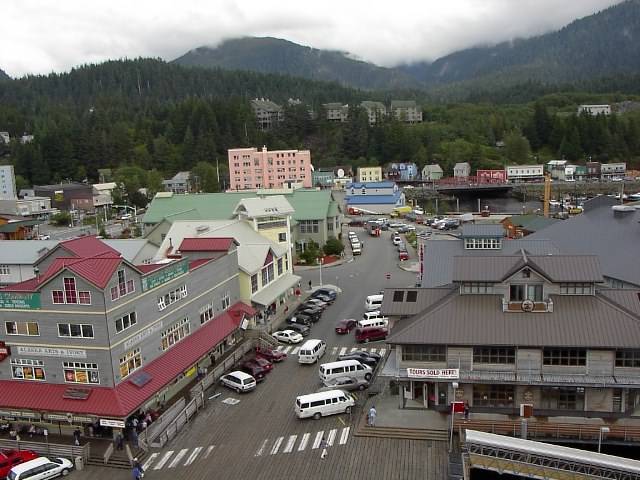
41 36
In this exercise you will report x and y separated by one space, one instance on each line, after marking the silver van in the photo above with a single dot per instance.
349 368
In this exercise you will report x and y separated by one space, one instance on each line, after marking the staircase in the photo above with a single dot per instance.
402 433
118 459
268 340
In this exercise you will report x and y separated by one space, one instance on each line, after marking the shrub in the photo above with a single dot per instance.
333 246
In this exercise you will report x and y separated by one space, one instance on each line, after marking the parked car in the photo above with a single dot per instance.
403 255
238 381
397 239
403 229
402 246
314 313
346 325
345 383
371 334
327 292
11 458
317 302
270 354
263 362
362 357
299 318
41 468
253 369
411 228
287 336
324 298
301 329
43 237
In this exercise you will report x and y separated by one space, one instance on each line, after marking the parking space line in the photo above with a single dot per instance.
343 350
332 436
209 450
149 461
372 350
262 447
178 457
280 348
317 440
194 454
295 351
163 460
354 349
334 350
276 446
344 435
304 441
290 443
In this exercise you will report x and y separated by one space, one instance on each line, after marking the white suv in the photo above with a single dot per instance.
238 381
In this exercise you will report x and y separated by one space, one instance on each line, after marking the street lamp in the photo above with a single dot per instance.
453 401
602 430
320 259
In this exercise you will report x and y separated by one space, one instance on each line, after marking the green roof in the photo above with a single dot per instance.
308 204
532 223
13 227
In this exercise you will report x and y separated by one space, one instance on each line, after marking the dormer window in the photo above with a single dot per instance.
576 289
477 287
482 243
522 292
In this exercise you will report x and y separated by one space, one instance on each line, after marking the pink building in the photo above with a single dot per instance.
250 168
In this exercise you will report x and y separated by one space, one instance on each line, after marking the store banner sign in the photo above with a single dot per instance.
52 352
434 373
164 275
106 422
20 301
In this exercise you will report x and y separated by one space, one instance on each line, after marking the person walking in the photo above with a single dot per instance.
371 418
76 436
137 474
324 445
310 284
138 465
119 441
466 411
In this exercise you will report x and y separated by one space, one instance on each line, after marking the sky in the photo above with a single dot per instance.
44 36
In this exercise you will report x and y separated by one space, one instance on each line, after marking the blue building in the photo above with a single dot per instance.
402 171
374 197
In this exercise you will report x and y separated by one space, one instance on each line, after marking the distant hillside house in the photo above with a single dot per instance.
5 138
432 172
268 113
369 174
557 169
403 171
67 196
525 173
595 109
375 110
180 183
609 171
461 170
250 168
406 111
336 111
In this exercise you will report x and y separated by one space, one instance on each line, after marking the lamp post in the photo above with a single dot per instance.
321 259
455 387
602 430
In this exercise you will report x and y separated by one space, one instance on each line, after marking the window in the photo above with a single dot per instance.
131 362
516 293
563 398
29 329
57 296
207 313
494 395
175 333
628 358
282 237
424 353
576 289
80 372
477 287
171 297
398 296
5 270
412 296
70 293
226 300
568 357
286 262
127 321
267 274
482 243
519 293
505 355
76 330
124 286
279 266
23 369
254 283
309 226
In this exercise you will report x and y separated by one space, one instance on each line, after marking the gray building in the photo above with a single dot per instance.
461 169
336 111
182 182
406 111
375 110
268 113
94 336
432 172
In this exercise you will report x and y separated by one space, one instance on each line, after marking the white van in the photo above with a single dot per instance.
345 368
41 468
373 302
356 250
318 405
373 319
311 351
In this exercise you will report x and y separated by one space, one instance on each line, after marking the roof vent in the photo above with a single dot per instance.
619 210
202 228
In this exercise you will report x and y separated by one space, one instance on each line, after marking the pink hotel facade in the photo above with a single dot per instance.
250 168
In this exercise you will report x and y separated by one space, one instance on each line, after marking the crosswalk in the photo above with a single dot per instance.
282 445
291 350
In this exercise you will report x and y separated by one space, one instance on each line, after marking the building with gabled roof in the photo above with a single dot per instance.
406 111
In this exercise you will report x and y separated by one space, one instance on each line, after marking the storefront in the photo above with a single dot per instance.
430 388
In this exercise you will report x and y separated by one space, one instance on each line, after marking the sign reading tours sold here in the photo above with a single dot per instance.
439 373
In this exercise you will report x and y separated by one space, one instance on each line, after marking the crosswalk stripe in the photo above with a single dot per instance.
354 349
332 436
372 350
149 461
163 460
344 435
295 351
290 443
287 349
303 442
276 446
209 450
382 352
343 350
317 440
194 454
280 348
178 457
261 449
334 350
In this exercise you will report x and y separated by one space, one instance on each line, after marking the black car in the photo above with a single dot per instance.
362 357
313 314
301 329
325 292
300 319
310 309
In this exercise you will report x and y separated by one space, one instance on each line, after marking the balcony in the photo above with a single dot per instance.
528 306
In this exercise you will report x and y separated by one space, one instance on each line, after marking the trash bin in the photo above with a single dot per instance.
79 463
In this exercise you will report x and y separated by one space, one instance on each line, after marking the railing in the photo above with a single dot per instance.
180 421
50 449
107 453
147 436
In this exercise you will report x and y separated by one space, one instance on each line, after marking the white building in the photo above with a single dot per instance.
595 109
525 173
38 207
7 182
461 169
609 171
5 138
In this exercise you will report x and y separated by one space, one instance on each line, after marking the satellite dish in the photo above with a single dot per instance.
340 173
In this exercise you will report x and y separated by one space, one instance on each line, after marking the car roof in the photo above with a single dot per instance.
320 395
240 374
36 462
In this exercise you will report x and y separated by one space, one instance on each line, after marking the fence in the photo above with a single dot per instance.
50 449
156 428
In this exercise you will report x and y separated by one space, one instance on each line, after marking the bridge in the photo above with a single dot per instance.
530 459
461 185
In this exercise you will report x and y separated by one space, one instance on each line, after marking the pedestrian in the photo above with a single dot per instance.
134 422
134 438
136 464
137 474
119 441
371 418
310 284
76 436
466 411
323 445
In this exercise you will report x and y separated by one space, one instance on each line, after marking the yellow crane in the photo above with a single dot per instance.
547 194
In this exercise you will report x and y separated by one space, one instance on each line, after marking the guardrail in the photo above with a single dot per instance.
50 449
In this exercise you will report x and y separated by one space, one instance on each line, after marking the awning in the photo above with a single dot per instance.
269 295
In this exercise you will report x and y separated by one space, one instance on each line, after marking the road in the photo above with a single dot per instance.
65 233
258 436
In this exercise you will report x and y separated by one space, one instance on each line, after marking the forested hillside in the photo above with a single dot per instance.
3 75
146 120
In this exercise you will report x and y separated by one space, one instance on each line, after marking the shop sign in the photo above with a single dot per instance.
83 419
57 416
106 422
435 373
52 352
20 301
164 275
25 415
191 372
146 333
4 351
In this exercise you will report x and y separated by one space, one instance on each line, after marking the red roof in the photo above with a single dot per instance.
150 267
88 246
126 398
199 262
206 244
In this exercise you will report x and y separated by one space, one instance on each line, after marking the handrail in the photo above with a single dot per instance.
53 449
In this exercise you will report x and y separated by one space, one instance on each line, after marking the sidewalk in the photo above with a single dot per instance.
304 268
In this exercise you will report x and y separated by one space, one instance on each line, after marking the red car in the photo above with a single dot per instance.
270 354
346 325
11 458
403 256
263 362
253 369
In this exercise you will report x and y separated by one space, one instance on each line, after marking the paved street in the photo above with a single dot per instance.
65 233
257 435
